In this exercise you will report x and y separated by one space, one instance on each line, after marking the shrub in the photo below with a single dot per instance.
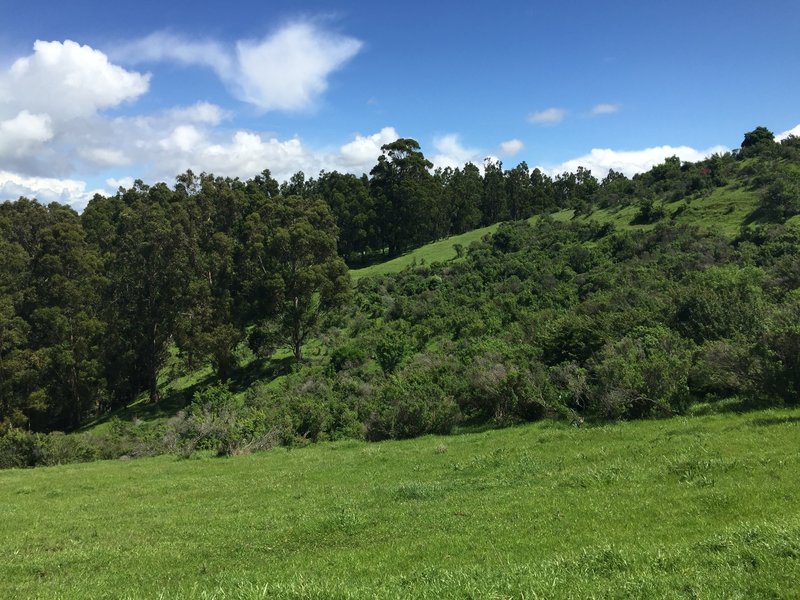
643 374
410 407
20 449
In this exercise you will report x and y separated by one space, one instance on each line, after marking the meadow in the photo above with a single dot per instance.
701 506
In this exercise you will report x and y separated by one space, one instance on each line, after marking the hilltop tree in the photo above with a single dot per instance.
402 188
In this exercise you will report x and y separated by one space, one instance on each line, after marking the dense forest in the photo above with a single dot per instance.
542 319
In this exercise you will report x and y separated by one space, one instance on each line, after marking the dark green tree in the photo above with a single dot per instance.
295 274
404 192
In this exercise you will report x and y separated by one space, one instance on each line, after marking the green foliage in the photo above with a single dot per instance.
544 318
412 406
645 373
390 349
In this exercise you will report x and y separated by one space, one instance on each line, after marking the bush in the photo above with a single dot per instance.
349 356
20 449
643 374
410 407
504 391
215 419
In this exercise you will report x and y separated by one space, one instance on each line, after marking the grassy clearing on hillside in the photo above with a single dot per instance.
723 211
681 508
440 251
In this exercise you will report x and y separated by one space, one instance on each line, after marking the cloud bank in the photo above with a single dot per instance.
630 162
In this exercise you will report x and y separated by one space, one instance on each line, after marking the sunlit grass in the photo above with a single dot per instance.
441 251
688 507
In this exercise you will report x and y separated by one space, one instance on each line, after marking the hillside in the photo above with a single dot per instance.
726 210
704 506
220 313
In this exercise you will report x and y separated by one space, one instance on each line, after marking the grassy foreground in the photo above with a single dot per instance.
700 507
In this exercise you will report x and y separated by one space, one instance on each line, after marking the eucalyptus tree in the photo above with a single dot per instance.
294 275
404 193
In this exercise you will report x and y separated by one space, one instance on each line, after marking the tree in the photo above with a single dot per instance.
209 326
147 288
465 189
403 190
519 192
354 210
295 274
759 137
494 205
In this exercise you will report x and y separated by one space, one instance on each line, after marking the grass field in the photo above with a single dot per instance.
695 507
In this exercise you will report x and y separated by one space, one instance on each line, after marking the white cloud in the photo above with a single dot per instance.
201 112
451 153
605 109
20 135
511 147
365 149
105 157
67 80
549 116
794 131
165 46
287 70
122 182
600 160
45 189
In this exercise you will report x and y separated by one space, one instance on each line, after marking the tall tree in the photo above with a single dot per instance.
403 189
354 210
148 287
465 189
295 274
494 204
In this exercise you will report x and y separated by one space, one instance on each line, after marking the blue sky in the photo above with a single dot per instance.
94 94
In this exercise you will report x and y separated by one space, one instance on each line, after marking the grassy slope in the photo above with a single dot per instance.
682 508
725 210
440 251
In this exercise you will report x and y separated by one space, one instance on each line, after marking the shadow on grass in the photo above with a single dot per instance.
173 400
245 376
770 421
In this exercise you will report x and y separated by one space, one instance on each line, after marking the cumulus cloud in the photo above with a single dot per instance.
605 109
630 162
46 190
287 70
451 153
66 80
549 116
511 147
795 131
365 149
165 46
191 146
201 112
51 98
19 135
123 182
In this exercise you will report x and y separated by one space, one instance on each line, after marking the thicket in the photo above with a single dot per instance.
548 320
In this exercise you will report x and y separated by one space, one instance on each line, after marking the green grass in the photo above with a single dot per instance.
696 507
440 251
725 210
